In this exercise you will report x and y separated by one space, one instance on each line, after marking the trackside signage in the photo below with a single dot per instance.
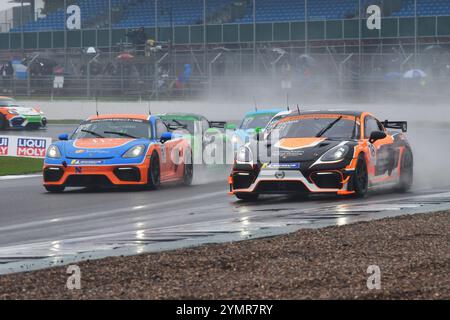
27 147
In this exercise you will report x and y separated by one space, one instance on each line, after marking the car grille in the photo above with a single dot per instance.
327 180
53 174
128 174
17 122
243 181
87 181
281 187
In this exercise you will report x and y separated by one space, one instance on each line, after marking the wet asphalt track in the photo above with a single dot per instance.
36 225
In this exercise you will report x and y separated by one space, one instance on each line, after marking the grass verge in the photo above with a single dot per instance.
17 166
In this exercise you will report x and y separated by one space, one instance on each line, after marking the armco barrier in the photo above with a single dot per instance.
26 147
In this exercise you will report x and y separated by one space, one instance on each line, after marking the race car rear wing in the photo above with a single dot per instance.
217 124
401 125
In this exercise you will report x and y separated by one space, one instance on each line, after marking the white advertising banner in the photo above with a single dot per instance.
26 147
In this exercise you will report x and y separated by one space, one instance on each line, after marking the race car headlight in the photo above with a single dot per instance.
53 152
244 155
13 111
134 152
335 154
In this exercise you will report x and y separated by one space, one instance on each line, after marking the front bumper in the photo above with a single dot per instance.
29 122
86 176
271 181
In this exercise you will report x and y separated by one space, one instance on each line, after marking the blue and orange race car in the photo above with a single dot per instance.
118 150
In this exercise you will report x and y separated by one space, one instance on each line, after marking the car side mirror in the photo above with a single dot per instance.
377 135
63 137
166 136
230 126
259 133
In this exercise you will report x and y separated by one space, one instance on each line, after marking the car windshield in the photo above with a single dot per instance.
256 121
8 103
114 128
188 125
329 126
273 122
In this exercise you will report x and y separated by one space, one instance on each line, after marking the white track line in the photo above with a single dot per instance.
28 176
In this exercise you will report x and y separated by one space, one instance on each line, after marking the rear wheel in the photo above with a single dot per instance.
188 169
361 178
154 173
247 196
406 172
3 122
55 189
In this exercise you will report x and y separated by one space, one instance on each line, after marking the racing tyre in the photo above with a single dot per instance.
247 196
361 178
3 122
154 173
188 174
55 189
406 172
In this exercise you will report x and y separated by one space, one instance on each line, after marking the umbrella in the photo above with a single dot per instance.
125 56
433 48
414 74
307 60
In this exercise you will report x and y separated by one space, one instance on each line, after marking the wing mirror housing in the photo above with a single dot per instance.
63 137
377 135
166 136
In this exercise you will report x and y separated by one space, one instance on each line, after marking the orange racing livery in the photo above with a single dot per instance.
331 152
118 150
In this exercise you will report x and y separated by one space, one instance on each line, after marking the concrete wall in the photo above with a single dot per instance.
233 111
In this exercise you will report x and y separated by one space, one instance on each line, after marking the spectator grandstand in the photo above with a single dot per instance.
137 13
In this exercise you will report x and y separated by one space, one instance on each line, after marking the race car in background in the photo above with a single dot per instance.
331 152
252 121
118 150
14 116
198 129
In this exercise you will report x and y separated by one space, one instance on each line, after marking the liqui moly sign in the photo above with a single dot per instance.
4 143
27 147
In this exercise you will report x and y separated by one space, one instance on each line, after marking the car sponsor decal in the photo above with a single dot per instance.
298 143
86 162
283 166
100 143
31 147
4 143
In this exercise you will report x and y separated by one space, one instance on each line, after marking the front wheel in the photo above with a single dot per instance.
188 174
55 189
154 173
361 178
247 196
3 122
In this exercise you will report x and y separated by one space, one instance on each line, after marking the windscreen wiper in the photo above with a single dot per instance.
328 127
122 134
93 133
184 126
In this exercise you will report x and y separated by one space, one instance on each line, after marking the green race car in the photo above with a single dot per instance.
15 116
198 129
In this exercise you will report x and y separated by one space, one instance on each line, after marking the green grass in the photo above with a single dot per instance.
17 166
64 121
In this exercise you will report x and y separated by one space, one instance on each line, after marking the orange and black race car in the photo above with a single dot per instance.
332 152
